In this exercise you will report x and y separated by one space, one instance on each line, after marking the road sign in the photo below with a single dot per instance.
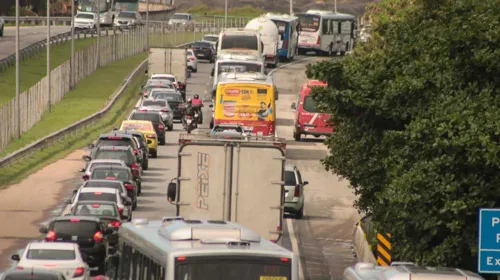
489 241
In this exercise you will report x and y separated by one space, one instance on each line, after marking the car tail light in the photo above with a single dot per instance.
189 117
285 259
135 169
115 138
120 210
191 58
96 205
164 110
271 129
136 152
85 177
129 186
297 191
79 272
114 224
98 237
73 220
318 42
143 110
49 265
51 236
161 126
181 258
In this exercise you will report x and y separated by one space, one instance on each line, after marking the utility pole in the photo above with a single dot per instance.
49 88
147 25
18 89
98 33
291 7
335 3
225 14
72 60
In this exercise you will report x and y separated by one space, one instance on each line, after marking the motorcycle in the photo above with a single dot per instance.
189 123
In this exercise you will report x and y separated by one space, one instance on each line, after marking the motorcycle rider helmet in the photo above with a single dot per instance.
196 96
189 100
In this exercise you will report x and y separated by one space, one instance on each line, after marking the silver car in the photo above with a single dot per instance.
128 19
294 191
159 106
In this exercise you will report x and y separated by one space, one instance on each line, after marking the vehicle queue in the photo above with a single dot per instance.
97 234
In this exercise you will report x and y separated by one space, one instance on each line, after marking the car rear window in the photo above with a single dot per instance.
109 174
46 254
115 141
95 209
96 164
202 45
146 117
97 196
159 103
75 227
290 179
114 154
27 275
108 184
167 96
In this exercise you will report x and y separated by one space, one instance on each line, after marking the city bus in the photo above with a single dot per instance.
176 249
326 32
247 99
240 40
106 9
289 36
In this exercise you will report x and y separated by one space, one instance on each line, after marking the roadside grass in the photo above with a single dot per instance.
33 69
174 39
199 11
16 172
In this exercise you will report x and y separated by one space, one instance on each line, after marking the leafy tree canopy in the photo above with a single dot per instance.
418 126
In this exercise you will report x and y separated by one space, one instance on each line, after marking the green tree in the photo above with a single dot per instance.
418 126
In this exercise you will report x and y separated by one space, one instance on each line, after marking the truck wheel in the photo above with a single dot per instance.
171 127
162 141
296 136
145 165
154 154
300 214
188 129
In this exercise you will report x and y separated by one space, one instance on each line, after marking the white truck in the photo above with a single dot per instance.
270 36
169 61
238 179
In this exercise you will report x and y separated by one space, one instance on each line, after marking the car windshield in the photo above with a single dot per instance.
310 105
309 22
97 196
113 154
157 103
85 16
167 96
126 15
202 45
240 42
210 38
224 67
137 126
46 254
177 16
96 209
290 179
75 227
111 174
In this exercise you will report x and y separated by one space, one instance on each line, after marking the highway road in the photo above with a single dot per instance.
28 35
321 237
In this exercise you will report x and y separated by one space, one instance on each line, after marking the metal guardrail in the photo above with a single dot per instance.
73 128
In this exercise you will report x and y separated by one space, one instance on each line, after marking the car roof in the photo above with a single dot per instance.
96 202
102 181
146 113
164 90
52 245
83 218
99 190
140 121
316 83
120 148
107 160
112 167
154 82
211 35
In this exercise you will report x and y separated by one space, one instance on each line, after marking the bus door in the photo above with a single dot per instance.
284 31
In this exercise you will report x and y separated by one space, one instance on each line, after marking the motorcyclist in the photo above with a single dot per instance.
197 104
189 110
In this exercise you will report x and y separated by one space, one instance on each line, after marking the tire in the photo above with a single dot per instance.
101 268
162 141
188 129
296 136
300 214
145 165
195 70
134 206
171 127
301 52
154 154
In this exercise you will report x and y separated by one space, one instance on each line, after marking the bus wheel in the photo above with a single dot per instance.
296 136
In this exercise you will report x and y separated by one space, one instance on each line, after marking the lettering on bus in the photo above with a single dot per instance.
202 181
232 92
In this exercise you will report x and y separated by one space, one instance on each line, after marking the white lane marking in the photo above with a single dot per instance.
295 246
313 118
291 63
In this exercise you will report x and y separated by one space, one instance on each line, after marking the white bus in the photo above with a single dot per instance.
176 249
239 40
326 32
106 9
234 62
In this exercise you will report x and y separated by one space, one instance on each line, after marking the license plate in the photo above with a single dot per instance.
188 121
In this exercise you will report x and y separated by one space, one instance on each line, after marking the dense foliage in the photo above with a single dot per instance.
418 126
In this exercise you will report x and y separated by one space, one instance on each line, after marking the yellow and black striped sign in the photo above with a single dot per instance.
384 249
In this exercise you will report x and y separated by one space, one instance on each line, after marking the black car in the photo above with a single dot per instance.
118 152
117 173
88 232
175 101
204 50
113 182
19 273
152 84
142 145
116 138
106 211
157 121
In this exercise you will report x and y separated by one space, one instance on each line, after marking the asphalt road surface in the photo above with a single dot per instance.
28 35
321 237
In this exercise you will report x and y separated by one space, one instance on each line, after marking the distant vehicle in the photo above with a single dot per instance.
174 100
88 232
117 152
368 271
270 36
119 173
16 273
192 61
240 41
147 127
100 162
157 83
169 61
239 63
103 194
184 249
106 10
326 32
85 20
115 138
61 257
2 26
294 191
160 107
111 182
204 50
211 38
155 119
180 18
289 35
308 119
128 19
142 142
127 5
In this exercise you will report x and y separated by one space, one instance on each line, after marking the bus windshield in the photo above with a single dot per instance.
236 267
309 22
238 67
91 6
240 42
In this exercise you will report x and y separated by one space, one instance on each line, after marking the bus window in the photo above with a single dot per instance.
239 42
309 23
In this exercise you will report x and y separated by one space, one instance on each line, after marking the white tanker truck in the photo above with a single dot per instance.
270 37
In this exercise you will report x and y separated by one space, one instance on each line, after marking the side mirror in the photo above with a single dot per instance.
171 191
43 230
86 158
15 258
81 170
127 203
306 183
294 106
109 231
90 146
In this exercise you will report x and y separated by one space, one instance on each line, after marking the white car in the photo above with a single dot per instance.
294 191
168 77
180 18
60 256
85 20
211 38
108 184
192 61
103 194
100 162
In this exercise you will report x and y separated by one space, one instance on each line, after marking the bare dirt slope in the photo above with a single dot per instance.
355 7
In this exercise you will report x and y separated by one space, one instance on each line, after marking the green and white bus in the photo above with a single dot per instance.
106 9
176 249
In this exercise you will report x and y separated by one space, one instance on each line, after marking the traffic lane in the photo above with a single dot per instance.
324 233
28 35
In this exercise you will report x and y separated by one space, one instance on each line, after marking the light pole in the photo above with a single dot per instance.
49 88
291 7
225 14
98 33
147 25
18 89
72 60
335 3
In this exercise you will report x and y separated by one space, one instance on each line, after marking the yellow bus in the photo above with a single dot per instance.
248 99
